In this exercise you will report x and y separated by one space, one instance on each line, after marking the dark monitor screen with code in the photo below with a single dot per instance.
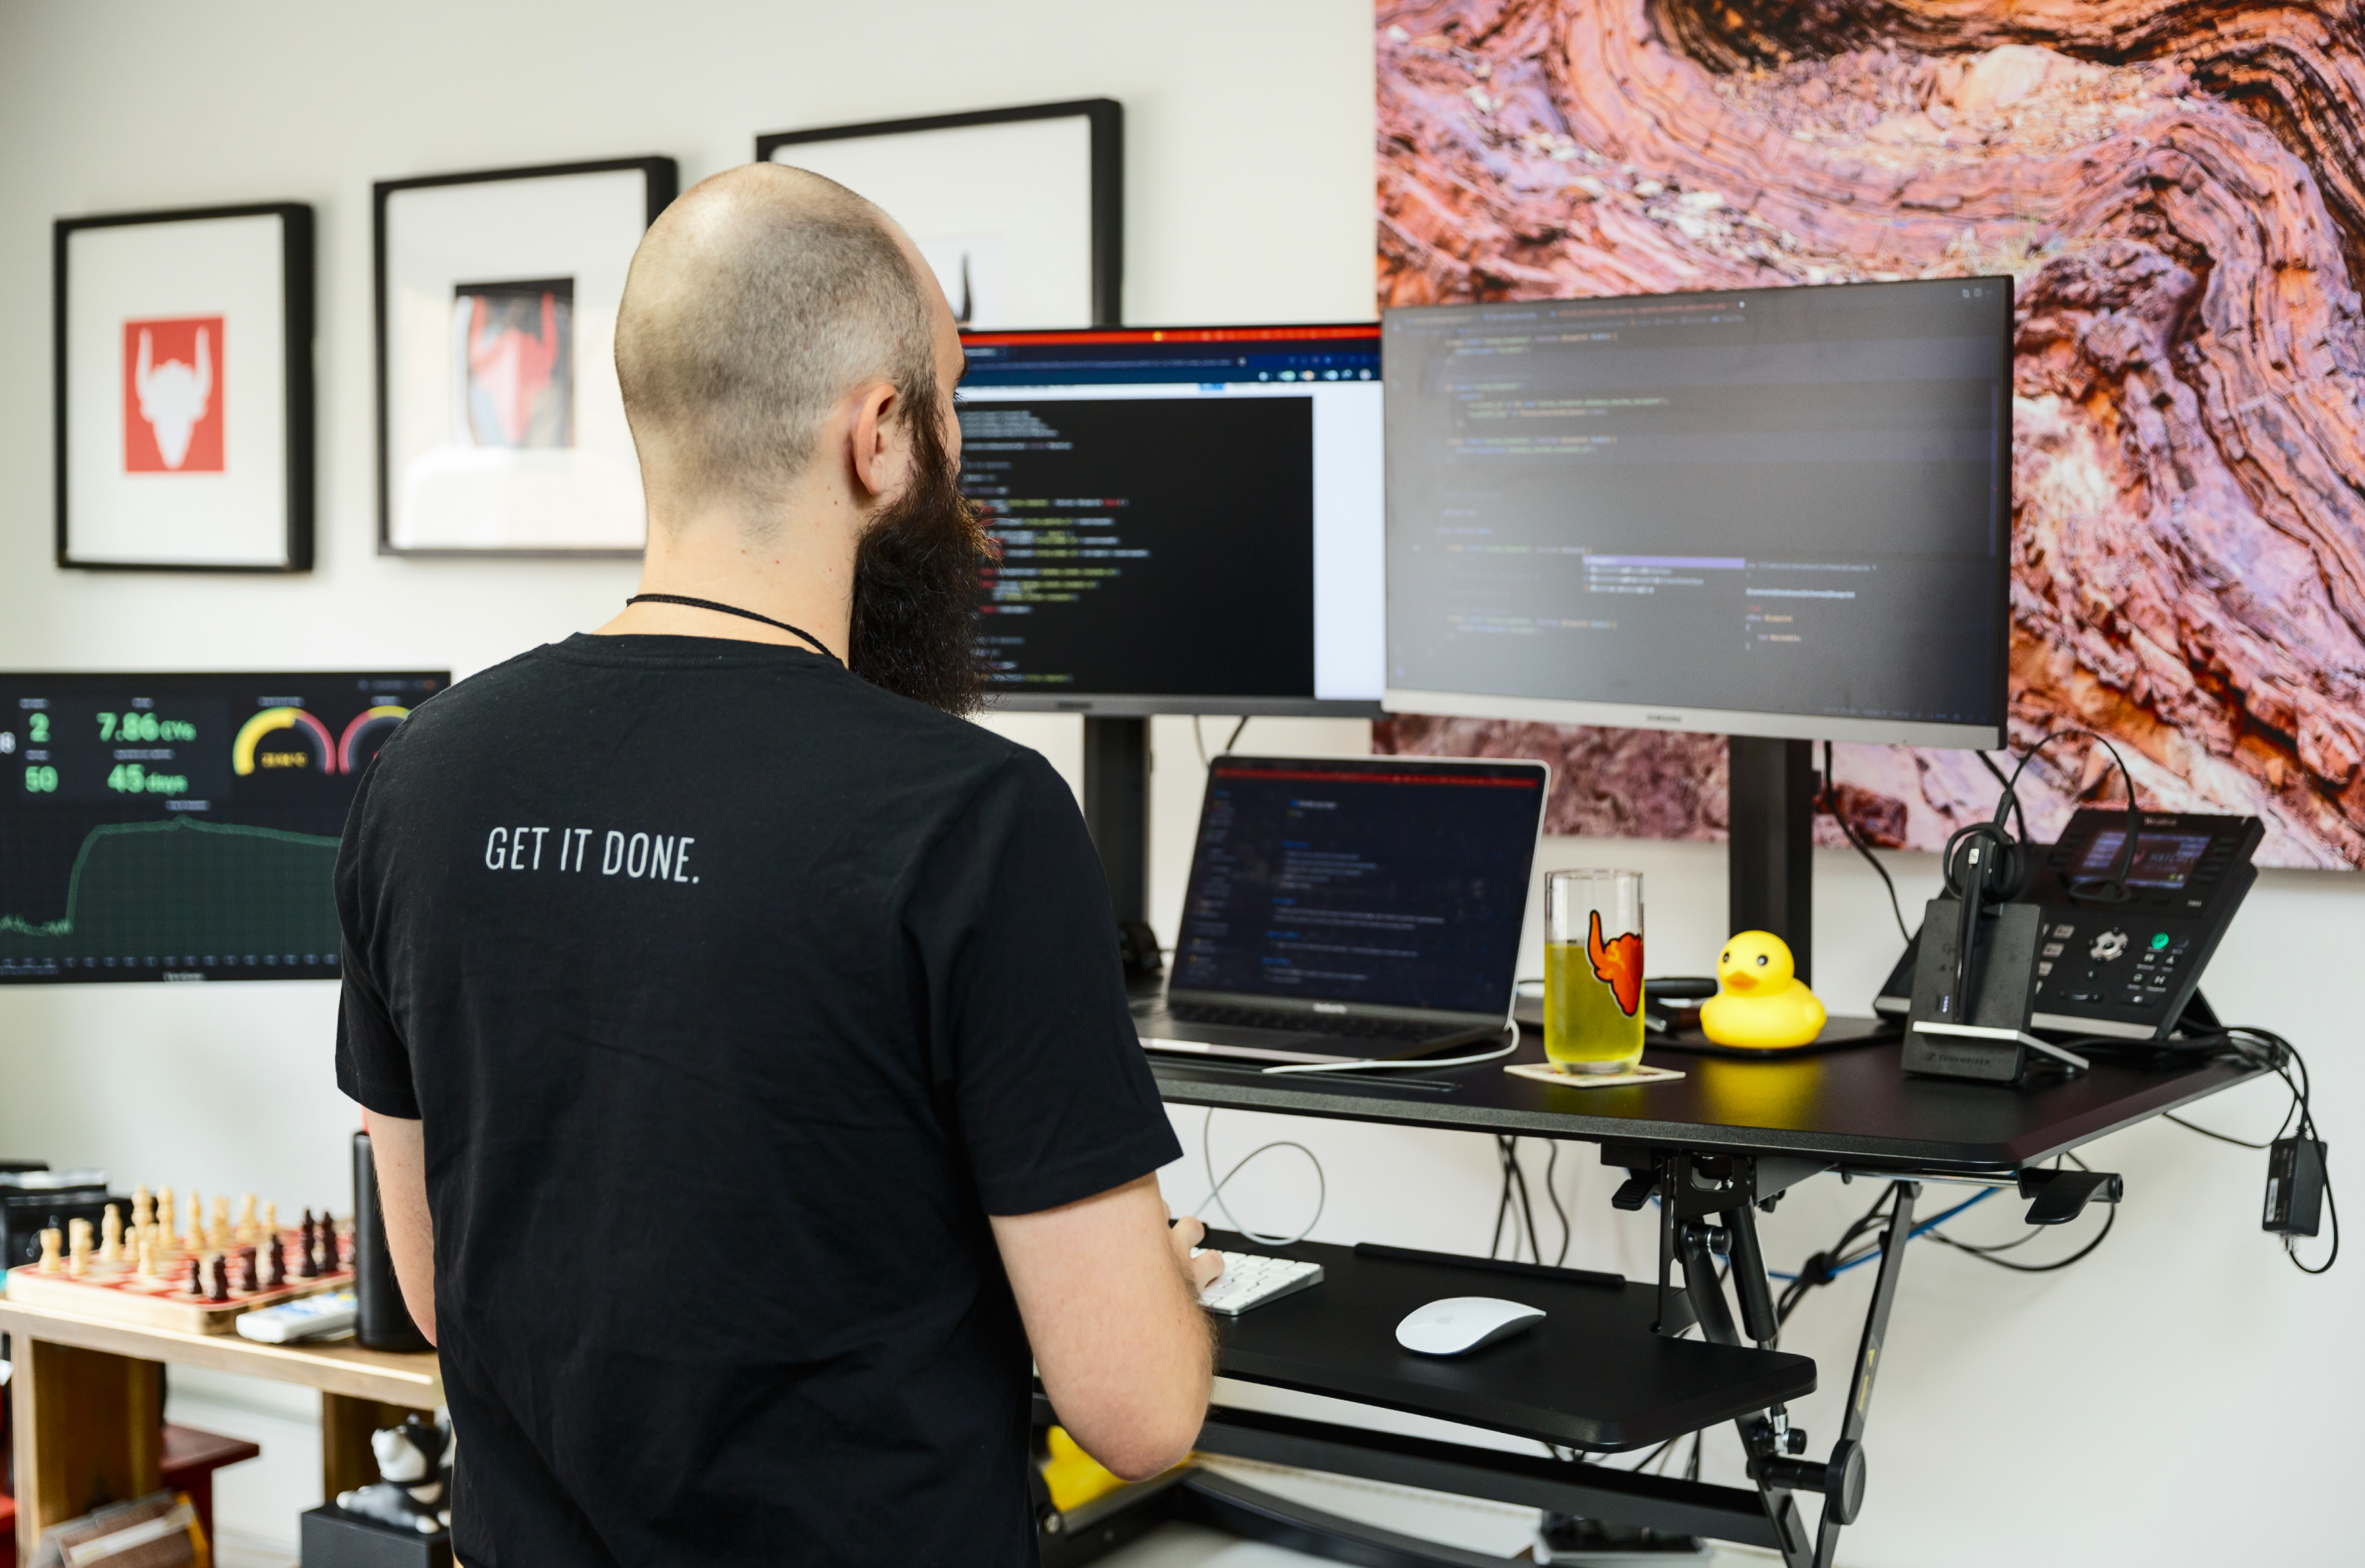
1770 511
1187 520
158 827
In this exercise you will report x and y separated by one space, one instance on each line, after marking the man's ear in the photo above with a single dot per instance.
872 440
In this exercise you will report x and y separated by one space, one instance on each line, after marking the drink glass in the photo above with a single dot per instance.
1593 969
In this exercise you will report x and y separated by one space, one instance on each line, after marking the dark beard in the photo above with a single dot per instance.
916 584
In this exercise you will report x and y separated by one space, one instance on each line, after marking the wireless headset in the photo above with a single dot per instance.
1985 866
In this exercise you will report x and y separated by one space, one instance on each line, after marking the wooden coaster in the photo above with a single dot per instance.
1545 1072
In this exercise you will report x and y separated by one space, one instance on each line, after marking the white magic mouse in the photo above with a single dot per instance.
1462 1323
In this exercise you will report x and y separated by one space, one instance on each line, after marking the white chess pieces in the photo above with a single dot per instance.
270 1226
163 1220
245 1233
77 1249
51 1239
218 1234
143 1211
147 1258
193 1237
110 1251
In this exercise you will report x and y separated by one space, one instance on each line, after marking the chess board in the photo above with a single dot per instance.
161 1300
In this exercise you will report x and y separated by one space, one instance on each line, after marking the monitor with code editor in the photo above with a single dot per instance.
1188 518
182 827
1782 512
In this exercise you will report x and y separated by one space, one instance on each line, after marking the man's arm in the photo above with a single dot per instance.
1110 1298
398 1149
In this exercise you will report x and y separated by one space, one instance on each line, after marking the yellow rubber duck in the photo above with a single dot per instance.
1759 999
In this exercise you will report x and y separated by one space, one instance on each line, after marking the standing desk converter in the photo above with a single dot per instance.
1603 1372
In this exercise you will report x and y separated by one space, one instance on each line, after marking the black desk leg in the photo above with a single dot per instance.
1842 1477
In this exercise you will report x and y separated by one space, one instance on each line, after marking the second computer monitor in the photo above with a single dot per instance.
1775 511
1189 518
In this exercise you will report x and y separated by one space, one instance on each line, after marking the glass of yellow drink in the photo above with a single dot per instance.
1593 969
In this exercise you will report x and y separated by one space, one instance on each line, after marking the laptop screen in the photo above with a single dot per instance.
1395 882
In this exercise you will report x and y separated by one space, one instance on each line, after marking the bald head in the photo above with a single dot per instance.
757 302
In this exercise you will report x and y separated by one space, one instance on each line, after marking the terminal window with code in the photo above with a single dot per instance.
163 827
1178 513
1771 502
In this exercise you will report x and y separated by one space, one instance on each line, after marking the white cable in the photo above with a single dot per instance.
1216 1192
1406 1065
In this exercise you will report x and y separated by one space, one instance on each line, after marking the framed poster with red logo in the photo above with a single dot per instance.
501 428
184 388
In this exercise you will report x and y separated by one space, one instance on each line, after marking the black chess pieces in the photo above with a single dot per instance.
218 1269
308 1261
274 1263
196 1283
249 1279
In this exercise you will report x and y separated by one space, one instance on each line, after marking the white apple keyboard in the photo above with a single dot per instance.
1250 1281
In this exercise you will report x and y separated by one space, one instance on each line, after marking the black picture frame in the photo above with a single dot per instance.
299 318
1105 118
663 182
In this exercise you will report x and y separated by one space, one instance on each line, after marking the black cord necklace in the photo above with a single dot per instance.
819 646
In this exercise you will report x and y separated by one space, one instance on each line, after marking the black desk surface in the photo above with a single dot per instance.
1855 1106
1591 1375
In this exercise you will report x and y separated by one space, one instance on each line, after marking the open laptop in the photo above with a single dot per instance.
1346 909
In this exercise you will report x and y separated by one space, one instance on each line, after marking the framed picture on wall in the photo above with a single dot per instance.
183 367
500 429
1021 212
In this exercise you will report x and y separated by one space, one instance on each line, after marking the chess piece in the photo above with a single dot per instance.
247 1225
308 1261
271 1219
51 1239
192 1239
77 1249
147 1258
194 1281
274 1263
217 1235
111 1229
163 1216
248 1280
143 1211
218 1269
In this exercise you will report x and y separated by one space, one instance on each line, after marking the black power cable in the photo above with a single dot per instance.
1831 804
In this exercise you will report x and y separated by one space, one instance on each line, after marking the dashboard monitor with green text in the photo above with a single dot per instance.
182 827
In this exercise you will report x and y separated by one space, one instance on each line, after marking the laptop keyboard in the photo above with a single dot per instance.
1301 1023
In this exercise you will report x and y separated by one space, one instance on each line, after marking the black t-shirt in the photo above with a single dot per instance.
734 994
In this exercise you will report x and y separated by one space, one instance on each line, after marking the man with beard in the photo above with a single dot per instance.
740 1032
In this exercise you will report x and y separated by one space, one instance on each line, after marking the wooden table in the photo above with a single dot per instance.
88 1405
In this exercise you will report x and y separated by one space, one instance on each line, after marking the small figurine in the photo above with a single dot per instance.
416 1460
51 1239
1760 1001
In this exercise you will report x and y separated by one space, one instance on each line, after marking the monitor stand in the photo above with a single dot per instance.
1116 811
1771 855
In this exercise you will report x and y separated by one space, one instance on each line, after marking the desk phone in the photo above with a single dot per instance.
2127 969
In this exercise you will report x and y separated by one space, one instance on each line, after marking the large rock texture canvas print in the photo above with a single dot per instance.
2176 188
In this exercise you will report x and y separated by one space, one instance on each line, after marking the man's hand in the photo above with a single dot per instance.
1197 1273
1109 1294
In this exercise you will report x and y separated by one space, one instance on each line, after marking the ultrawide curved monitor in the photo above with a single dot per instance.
1189 517
1782 512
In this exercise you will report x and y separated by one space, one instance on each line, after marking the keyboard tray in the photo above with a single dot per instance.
1591 1375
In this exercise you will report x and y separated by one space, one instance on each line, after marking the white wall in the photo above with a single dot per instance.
2175 1400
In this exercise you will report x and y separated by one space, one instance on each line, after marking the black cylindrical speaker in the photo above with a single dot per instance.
384 1322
